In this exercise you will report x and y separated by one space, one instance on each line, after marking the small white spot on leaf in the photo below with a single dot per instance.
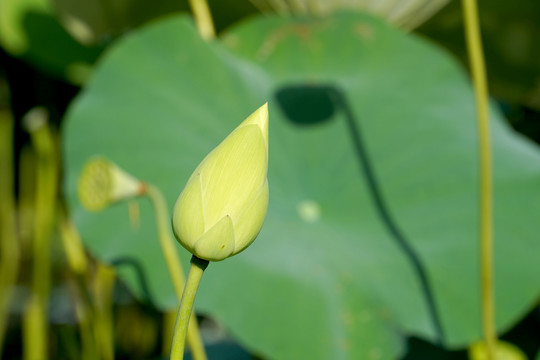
309 211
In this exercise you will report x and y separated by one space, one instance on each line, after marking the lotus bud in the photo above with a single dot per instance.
222 208
102 183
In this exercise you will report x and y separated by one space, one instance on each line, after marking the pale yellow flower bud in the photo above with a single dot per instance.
223 205
102 183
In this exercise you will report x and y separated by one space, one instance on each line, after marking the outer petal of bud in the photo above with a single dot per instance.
222 208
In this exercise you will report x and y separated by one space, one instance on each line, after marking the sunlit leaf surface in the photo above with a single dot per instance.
373 182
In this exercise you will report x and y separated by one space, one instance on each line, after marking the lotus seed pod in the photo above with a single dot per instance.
103 183
222 208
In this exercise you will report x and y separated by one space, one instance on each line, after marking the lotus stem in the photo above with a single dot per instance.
79 267
478 70
168 247
72 244
165 240
103 183
88 343
9 243
169 319
203 18
103 287
186 306
35 330
26 197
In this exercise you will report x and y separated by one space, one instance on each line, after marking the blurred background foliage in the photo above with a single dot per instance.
48 52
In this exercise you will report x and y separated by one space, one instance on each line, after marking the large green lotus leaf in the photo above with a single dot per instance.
373 176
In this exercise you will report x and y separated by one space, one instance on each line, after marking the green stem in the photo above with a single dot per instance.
83 311
79 267
26 198
103 287
165 240
203 17
36 334
169 319
168 248
34 331
72 243
9 243
476 59
186 306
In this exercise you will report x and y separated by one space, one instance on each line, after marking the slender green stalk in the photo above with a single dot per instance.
186 306
169 319
79 267
168 247
103 321
477 63
83 311
36 331
165 240
9 243
203 17
72 244
26 198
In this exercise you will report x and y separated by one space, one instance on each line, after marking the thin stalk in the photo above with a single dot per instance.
26 198
477 63
203 18
36 329
79 267
169 319
83 311
134 214
72 244
103 320
168 247
9 243
165 240
186 307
